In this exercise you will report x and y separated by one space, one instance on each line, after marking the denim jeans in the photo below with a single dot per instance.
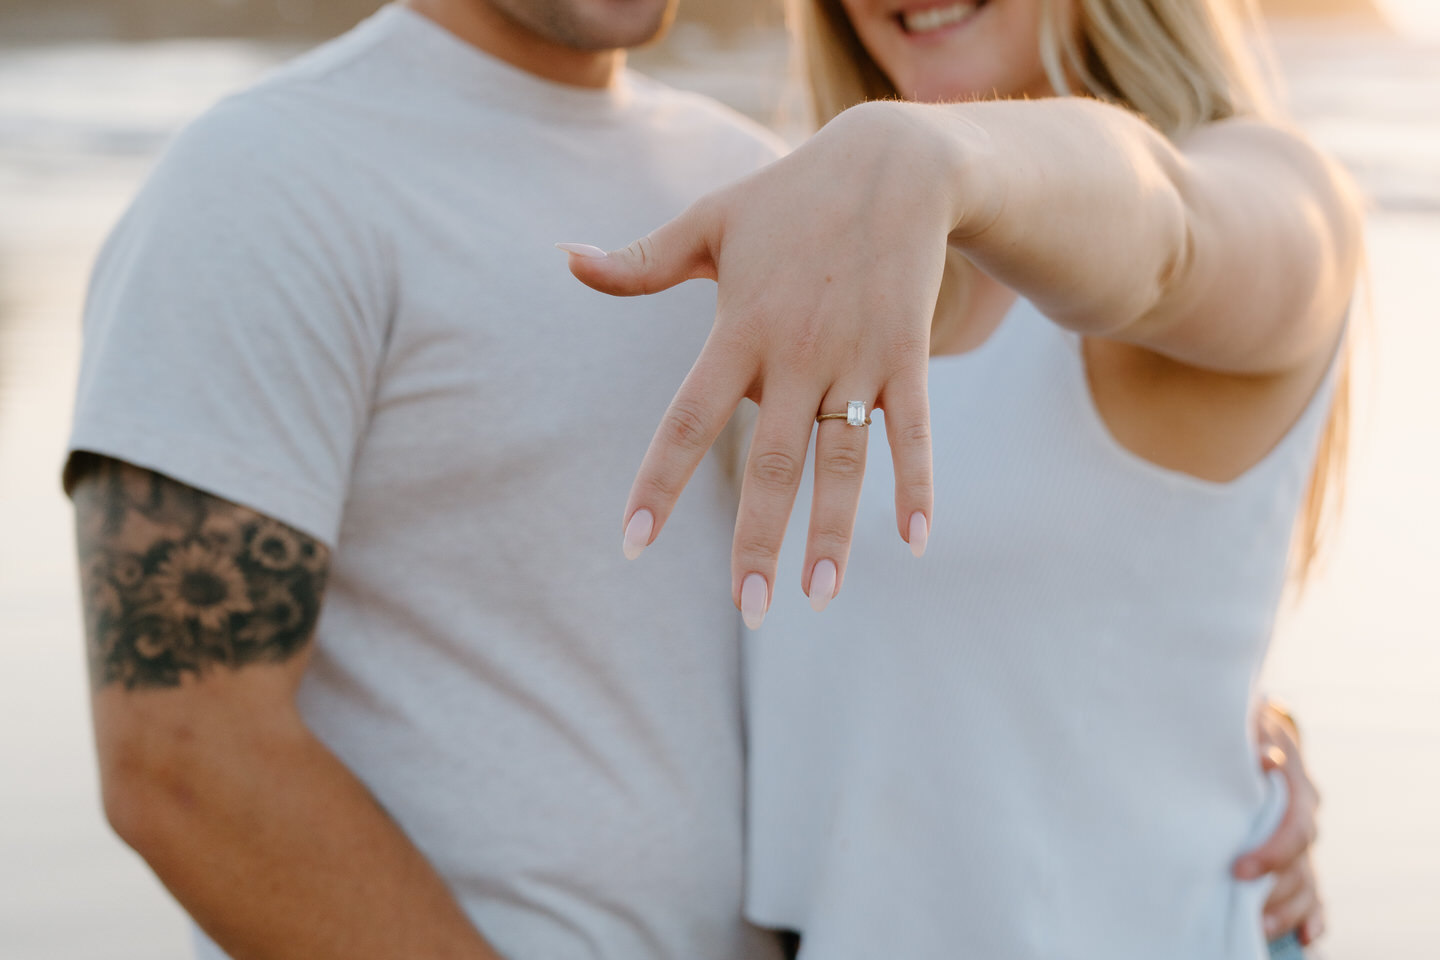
1286 948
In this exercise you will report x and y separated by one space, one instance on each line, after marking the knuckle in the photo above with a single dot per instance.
642 250
909 346
684 426
659 489
914 434
641 255
776 470
707 209
804 343
846 463
741 334
920 486
761 555
830 537
917 490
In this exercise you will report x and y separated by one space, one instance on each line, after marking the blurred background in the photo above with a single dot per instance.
90 91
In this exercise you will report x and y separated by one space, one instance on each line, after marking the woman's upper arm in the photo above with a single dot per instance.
1273 247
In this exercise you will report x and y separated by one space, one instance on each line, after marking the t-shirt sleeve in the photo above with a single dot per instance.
236 321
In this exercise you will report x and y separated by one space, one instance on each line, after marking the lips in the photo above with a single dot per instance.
933 19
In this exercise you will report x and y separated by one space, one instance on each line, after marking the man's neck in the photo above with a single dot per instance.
488 29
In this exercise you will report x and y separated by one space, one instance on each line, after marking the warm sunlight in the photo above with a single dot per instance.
91 93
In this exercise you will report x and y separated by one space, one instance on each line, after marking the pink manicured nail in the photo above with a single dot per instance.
1272 927
583 250
1314 930
637 533
822 584
919 533
753 594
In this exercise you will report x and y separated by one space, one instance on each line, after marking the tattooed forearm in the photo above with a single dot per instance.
175 581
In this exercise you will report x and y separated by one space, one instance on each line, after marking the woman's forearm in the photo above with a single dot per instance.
1071 202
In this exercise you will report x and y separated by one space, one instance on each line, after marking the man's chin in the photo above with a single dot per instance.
619 24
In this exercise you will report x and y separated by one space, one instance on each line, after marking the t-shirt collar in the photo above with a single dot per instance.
481 74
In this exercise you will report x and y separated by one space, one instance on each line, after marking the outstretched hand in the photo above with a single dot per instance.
829 262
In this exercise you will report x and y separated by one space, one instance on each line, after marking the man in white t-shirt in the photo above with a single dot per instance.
371 677
371 672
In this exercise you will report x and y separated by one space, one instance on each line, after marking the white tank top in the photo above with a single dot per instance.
1034 743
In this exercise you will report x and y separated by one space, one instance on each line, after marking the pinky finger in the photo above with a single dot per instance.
907 426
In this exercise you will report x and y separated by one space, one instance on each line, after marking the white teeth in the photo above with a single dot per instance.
928 21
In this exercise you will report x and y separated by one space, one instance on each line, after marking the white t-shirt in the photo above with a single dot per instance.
336 302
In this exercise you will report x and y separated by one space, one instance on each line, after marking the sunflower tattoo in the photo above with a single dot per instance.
196 583
177 582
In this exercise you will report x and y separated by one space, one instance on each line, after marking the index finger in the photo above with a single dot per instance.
699 411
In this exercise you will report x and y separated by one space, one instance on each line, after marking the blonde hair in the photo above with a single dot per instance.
1177 63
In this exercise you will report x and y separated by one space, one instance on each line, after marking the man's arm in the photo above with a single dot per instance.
198 617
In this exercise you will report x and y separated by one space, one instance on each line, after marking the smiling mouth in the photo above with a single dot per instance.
933 19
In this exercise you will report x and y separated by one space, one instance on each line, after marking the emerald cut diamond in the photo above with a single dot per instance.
855 413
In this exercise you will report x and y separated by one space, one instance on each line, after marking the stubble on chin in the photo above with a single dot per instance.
591 24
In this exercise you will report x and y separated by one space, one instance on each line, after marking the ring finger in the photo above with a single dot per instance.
840 448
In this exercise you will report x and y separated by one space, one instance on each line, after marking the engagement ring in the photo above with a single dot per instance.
854 414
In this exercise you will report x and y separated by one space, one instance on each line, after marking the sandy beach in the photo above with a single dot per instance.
1357 657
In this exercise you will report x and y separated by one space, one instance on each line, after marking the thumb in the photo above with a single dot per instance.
678 251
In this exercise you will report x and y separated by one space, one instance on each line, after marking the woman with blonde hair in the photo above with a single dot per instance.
1072 236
